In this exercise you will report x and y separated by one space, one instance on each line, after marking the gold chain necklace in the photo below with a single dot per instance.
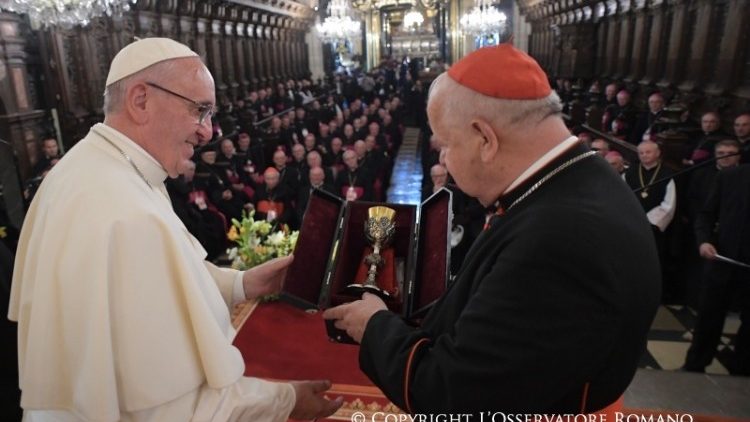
644 191
549 175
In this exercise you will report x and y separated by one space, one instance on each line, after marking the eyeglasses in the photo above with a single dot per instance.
205 110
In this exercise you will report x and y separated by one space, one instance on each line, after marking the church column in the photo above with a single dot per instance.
315 51
726 63
641 31
602 38
260 62
625 41
248 45
613 39
701 35
372 38
187 27
227 42
656 38
21 122
238 49
730 51
217 55
679 43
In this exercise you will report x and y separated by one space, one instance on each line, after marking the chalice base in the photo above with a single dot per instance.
358 289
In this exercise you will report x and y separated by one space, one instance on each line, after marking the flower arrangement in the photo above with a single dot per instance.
258 241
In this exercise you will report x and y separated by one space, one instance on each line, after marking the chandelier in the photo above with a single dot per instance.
413 19
365 5
66 13
484 19
338 25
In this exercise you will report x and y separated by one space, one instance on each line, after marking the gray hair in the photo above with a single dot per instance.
114 93
500 112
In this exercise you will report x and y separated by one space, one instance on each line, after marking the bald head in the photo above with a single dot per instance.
279 158
360 147
314 159
271 176
439 175
350 159
649 153
317 176
710 122
298 152
600 146
227 147
616 161
655 102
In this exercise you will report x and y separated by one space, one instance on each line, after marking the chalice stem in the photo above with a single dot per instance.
372 273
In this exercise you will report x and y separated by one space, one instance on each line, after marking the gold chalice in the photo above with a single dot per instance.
379 230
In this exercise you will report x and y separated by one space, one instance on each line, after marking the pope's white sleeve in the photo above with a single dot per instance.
229 282
249 399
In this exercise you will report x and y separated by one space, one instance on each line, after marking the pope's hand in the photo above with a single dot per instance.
310 402
266 278
353 317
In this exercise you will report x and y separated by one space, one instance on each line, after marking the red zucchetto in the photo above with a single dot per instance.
502 72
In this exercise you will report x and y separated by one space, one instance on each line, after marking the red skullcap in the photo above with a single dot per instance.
502 72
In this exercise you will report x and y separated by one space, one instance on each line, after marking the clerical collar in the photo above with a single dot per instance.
152 171
545 159
567 151
651 167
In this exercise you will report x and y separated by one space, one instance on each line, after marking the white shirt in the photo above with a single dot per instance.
119 315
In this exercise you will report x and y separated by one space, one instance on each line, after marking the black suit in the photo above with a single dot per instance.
548 305
644 122
728 205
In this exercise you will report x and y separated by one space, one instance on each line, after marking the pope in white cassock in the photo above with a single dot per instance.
119 315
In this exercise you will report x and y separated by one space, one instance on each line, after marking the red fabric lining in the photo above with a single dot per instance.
305 276
386 278
280 341
431 265
353 246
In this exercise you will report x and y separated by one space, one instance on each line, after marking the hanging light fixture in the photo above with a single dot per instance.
338 25
413 20
484 19
66 13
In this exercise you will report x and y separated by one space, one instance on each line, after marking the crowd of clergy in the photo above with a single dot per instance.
696 201
272 148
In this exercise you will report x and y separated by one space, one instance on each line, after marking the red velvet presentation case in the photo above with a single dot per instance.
332 244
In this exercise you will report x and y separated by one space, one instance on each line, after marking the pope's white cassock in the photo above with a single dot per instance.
120 316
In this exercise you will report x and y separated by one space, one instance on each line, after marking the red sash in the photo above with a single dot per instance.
194 195
265 205
358 190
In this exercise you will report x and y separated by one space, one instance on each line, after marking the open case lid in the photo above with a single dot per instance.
305 277
432 254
